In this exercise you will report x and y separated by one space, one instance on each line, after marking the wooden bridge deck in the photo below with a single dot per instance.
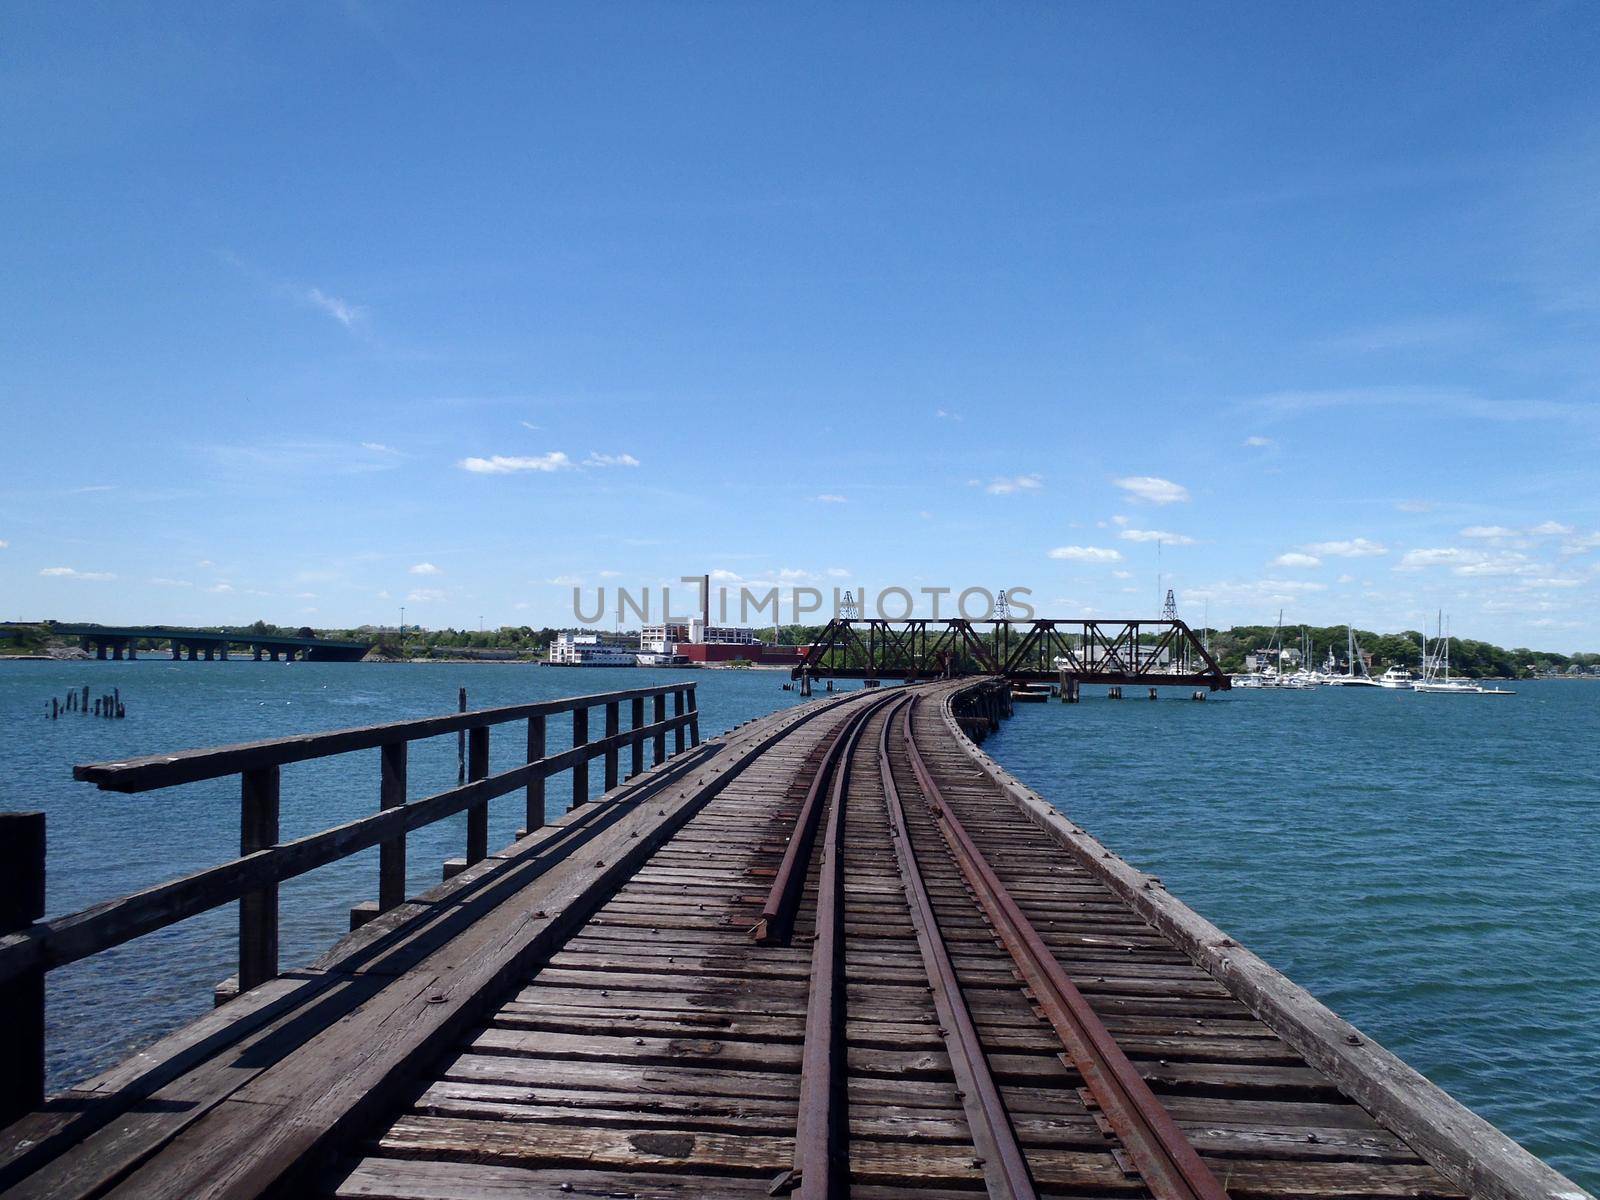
589 1013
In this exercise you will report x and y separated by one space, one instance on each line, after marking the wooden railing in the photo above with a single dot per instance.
29 947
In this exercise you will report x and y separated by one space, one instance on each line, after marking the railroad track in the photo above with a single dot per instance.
860 971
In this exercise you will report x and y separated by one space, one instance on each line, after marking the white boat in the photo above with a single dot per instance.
1436 672
1397 678
1355 670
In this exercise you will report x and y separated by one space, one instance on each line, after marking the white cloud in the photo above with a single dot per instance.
946 415
507 464
1488 531
1293 559
1354 548
1092 554
424 595
1442 556
1122 574
1550 529
160 581
222 587
1005 485
74 573
567 581
1581 543
838 573
4 544
530 425
341 311
1153 489
379 448
1259 442
1345 579
425 568
1156 535
596 459
1415 506
831 498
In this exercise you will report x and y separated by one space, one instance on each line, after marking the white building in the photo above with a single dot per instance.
572 649
660 639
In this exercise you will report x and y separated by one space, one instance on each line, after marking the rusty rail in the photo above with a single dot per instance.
1158 1149
1005 1168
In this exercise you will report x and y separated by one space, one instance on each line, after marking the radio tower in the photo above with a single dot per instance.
849 610
1002 608
1169 610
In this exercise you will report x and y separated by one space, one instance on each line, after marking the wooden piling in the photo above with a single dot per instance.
535 795
659 709
613 727
478 814
258 910
580 771
392 854
22 845
636 715
677 711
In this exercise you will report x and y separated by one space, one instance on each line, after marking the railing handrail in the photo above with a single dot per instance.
66 939
30 946
191 766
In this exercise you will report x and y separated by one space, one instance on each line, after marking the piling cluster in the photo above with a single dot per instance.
108 706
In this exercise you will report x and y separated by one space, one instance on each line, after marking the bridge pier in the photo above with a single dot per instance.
100 650
255 653
116 651
177 651
273 653
222 651
194 652
211 653
133 651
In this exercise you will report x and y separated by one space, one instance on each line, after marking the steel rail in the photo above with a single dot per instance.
820 1168
1158 1149
1005 1167
776 923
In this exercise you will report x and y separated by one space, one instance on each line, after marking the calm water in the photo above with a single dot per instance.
1420 863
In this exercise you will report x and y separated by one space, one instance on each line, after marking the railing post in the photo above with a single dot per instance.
258 910
694 717
22 999
478 814
613 727
392 854
580 771
659 710
636 714
535 817
677 711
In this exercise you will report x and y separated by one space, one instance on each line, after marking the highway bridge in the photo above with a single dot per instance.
117 643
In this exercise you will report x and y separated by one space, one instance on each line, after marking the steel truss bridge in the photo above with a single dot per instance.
1162 653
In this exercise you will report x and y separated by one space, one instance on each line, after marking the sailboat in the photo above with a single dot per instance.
1356 670
1436 671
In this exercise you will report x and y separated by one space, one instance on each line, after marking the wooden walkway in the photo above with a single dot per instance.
834 952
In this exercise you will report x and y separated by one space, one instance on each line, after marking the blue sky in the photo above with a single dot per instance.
932 295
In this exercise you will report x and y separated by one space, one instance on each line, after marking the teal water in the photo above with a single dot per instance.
1421 863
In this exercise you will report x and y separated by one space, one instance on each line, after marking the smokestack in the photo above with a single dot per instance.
705 594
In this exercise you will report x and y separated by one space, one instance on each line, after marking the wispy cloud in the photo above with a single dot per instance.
1153 489
74 573
596 459
425 568
1156 535
342 311
379 448
831 498
425 595
1438 556
1414 506
1353 548
1006 485
1087 554
946 415
1258 442
1295 559
1411 334
511 464
1488 531
4 544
